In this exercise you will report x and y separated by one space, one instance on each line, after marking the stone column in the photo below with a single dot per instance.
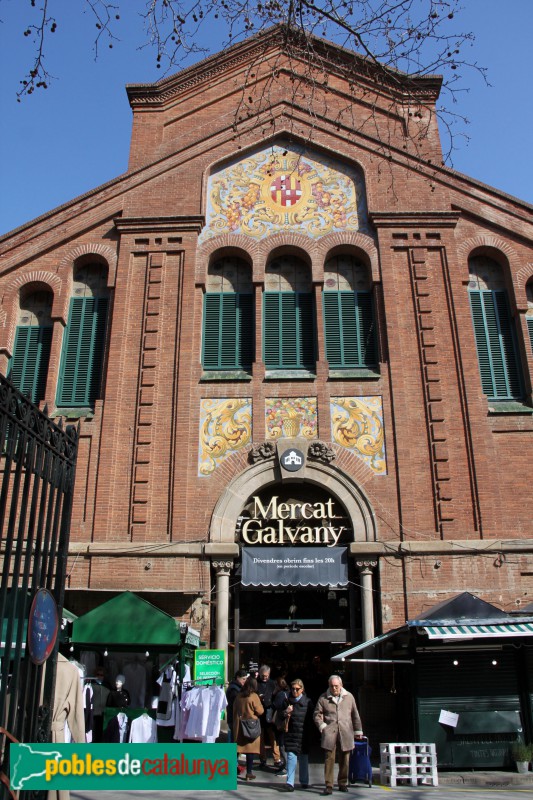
366 569
222 570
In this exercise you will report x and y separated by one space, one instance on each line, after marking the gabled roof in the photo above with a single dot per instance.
126 621
293 42
466 607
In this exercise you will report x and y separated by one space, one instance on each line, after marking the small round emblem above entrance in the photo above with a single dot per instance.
292 460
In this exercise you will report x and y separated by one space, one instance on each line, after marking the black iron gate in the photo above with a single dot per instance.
37 467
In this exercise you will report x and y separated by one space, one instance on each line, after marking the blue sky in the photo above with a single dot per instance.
73 137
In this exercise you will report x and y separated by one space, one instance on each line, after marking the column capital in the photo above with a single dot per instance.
366 565
222 567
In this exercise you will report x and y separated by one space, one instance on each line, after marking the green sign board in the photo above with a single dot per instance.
209 666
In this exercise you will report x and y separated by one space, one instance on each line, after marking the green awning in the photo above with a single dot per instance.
507 629
126 621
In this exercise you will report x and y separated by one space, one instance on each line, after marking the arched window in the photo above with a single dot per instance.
82 356
28 367
494 330
228 334
288 315
349 326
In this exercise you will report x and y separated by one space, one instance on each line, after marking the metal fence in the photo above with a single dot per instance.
37 469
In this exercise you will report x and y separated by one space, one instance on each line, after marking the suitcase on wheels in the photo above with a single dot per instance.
360 768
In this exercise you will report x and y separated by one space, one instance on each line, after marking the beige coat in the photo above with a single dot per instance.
67 707
247 708
337 719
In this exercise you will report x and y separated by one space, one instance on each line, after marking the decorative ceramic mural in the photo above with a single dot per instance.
287 417
357 424
225 428
282 189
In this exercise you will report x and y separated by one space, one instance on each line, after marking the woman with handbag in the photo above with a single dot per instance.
247 709
300 727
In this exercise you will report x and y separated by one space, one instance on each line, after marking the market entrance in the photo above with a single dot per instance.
298 601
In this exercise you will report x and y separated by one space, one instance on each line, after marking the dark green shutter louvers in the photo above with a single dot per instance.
83 352
499 365
228 335
288 330
28 367
529 321
349 329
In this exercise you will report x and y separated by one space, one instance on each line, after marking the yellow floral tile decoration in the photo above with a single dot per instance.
287 417
284 188
225 428
357 424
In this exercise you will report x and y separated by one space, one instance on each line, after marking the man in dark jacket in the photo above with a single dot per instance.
231 693
265 689
337 718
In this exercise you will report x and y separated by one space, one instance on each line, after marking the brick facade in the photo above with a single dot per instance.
456 490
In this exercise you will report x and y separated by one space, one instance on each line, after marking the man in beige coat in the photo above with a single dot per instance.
339 723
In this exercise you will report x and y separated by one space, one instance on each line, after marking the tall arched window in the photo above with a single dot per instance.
82 356
28 366
494 330
288 315
228 333
349 326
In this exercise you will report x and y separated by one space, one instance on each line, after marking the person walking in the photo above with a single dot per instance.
266 689
297 737
339 723
231 693
247 705
280 700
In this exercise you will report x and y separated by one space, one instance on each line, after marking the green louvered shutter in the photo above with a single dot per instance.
367 330
288 330
349 329
83 352
530 330
28 367
228 336
499 366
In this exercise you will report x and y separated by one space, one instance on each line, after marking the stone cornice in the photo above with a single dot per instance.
188 224
425 88
414 219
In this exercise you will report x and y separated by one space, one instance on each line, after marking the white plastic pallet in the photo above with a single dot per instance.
408 763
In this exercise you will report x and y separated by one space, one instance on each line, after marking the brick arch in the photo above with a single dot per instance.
291 240
226 241
266 473
93 249
355 239
9 313
501 246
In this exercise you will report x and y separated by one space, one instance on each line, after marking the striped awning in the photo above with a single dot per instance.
505 629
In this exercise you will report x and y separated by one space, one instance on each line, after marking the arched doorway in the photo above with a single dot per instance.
289 543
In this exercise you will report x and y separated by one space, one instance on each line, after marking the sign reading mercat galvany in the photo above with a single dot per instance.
292 523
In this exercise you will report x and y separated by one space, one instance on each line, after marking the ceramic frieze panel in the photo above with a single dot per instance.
357 424
225 428
283 189
289 417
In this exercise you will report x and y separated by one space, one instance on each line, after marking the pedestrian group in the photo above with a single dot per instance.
285 718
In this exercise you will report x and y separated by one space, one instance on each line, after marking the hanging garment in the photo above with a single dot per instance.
118 729
88 710
143 729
